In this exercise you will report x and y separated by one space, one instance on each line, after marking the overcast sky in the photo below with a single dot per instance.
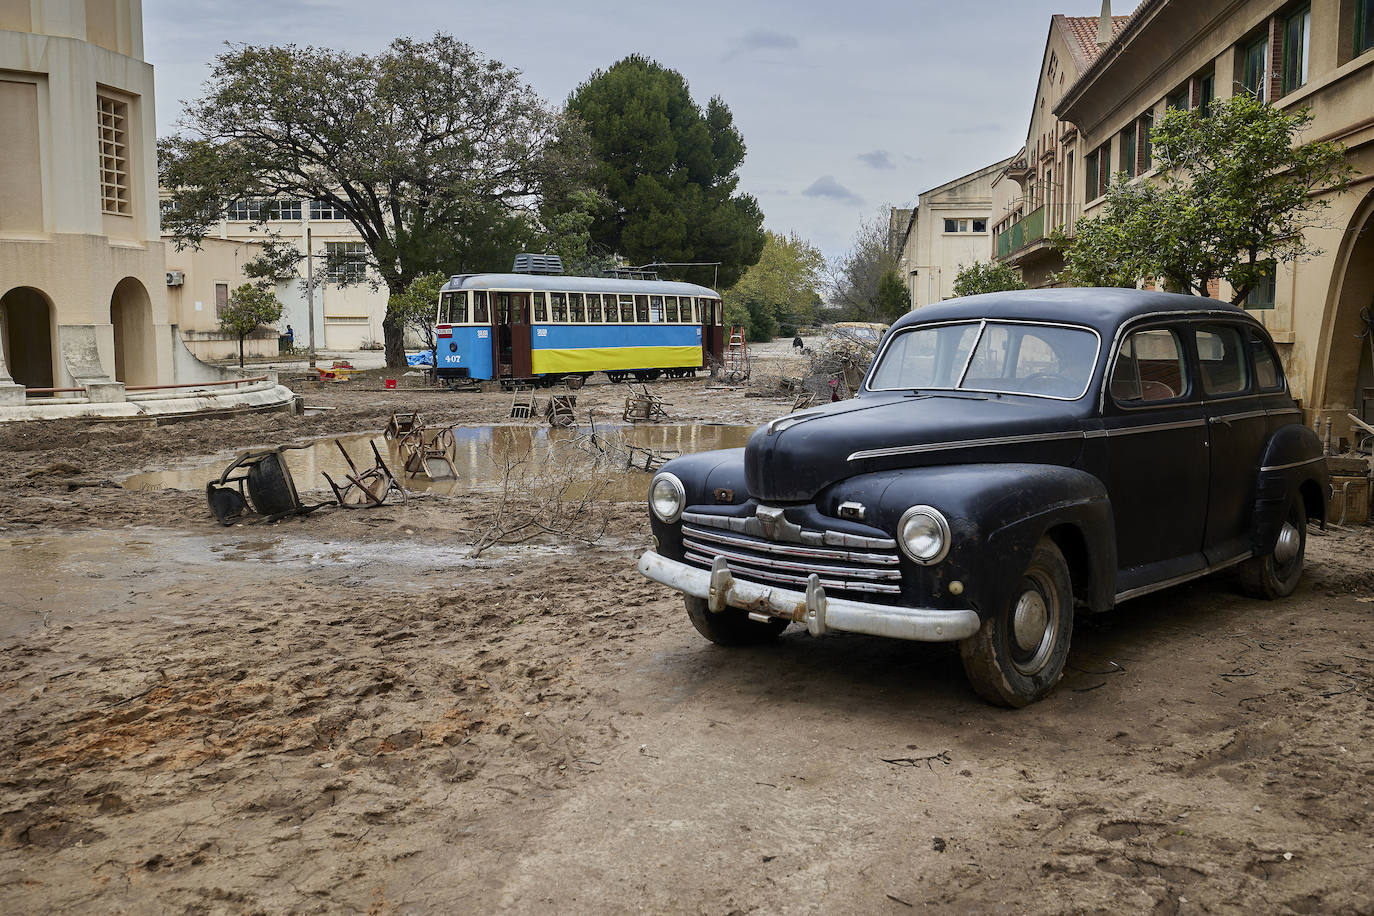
845 105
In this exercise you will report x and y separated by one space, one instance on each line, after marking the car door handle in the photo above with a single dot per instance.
1226 420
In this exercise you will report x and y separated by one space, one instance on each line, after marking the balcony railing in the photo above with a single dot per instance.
1028 229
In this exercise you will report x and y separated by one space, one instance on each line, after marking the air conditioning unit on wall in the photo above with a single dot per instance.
175 278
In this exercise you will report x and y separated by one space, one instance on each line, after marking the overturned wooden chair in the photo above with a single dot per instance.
429 452
560 410
400 424
370 487
524 405
258 483
644 407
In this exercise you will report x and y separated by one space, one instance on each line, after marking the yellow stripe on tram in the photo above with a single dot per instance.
599 359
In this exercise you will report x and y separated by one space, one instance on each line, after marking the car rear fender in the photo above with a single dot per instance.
1293 465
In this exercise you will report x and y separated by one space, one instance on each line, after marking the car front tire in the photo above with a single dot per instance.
732 627
1277 573
1019 653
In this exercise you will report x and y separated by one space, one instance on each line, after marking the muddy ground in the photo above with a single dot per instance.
348 713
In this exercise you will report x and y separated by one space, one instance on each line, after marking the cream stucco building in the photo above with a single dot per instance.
946 230
81 263
85 323
1093 123
348 315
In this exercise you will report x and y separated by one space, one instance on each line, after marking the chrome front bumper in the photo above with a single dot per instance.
819 613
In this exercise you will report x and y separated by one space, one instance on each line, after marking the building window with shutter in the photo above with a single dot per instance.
114 156
1364 26
1090 181
1128 150
1297 32
1254 65
221 299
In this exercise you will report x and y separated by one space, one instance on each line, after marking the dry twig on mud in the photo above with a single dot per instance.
546 492
942 757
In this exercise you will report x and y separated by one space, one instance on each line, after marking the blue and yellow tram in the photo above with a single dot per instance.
526 327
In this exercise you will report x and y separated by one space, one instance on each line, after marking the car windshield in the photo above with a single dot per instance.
991 356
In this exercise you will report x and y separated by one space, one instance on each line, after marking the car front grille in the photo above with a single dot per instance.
843 562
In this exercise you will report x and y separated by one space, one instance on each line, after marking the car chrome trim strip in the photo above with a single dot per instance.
963 443
791 550
734 556
1179 580
818 612
1156 427
1295 464
754 527
847 585
1247 415
982 327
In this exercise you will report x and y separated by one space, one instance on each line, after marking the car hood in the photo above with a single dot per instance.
795 457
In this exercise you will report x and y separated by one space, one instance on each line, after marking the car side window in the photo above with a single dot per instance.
1268 374
1149 367
1221 360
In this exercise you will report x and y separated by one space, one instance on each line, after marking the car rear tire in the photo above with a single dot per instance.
1018 654
732 627
1277 573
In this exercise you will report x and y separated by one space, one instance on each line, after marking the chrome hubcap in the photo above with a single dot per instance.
1029 620
1289 542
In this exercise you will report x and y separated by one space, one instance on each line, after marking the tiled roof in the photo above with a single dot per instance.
1083 30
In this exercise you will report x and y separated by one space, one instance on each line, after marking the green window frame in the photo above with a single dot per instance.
1207 92
1297 36
1147 150
1128 150
1264 294
1364 26
1254 67
1090 182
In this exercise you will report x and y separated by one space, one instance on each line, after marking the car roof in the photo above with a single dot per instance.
1102 308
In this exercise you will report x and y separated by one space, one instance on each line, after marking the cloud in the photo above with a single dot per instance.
878 159
985 128
762 40
826 186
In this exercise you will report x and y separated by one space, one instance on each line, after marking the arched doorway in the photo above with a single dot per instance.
131 314
26 329
1345 370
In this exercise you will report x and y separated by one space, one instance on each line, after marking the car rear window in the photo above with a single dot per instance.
1221 360
1149 367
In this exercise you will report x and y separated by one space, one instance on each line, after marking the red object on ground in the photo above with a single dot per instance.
391 383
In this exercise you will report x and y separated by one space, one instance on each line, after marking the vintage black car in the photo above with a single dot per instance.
1011 458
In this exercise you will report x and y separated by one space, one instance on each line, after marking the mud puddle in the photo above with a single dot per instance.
57 579
481 456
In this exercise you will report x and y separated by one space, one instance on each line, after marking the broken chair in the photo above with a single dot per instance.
400 424
560 410
644 407
429 452
256 482
370 487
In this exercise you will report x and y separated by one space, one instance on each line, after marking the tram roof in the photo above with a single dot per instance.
570 284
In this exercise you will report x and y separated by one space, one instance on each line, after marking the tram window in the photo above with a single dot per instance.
594 308
540 310
480 314
502 307
627 309
670 309
445 301
576 310
560 306
642 309
458 308
655 308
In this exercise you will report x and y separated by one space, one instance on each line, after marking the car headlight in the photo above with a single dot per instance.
667 497
923 535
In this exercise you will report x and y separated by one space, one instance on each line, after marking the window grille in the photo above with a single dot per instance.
114 156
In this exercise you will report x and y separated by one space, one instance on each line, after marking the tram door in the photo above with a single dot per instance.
511 340
712 332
